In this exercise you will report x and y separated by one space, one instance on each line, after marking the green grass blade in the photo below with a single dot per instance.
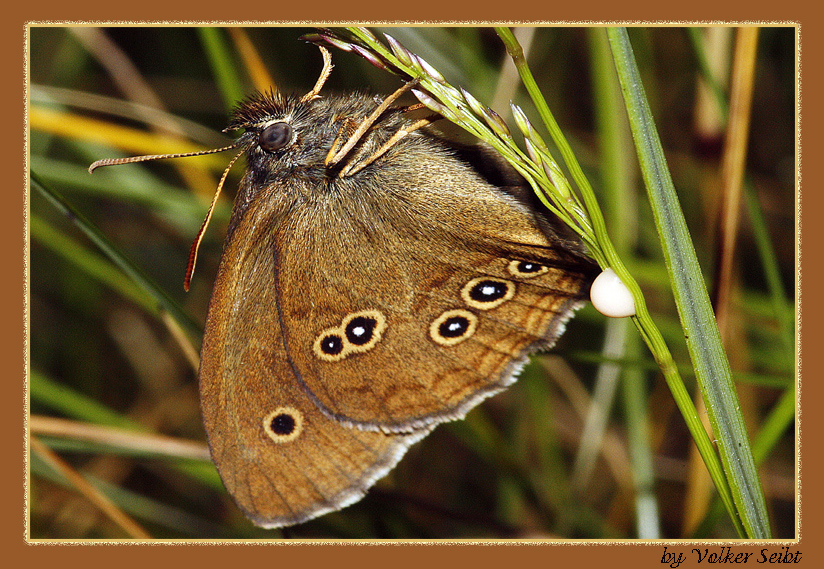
71 403
608 254
782 305
703 339
92 264
75 405
223 65
128 267
618 177
716 89
138 505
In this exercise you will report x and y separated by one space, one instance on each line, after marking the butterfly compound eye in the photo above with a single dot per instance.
275 136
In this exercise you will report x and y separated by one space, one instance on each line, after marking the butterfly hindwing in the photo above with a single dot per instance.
282 460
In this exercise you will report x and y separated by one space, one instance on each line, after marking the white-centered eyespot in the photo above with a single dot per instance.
526 269
611 297
453 327
486 293
358 332
284 424
329 345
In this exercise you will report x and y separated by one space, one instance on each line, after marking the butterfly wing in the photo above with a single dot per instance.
406 305
281 459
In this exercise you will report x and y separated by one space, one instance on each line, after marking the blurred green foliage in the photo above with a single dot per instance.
504 472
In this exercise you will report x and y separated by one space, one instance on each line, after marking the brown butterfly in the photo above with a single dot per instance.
376 280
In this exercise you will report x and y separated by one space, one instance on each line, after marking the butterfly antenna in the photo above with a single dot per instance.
190 266
324 75
149 157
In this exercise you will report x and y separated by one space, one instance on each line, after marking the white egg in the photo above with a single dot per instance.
611 297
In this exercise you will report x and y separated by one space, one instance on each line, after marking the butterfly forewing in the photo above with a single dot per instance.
407 304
